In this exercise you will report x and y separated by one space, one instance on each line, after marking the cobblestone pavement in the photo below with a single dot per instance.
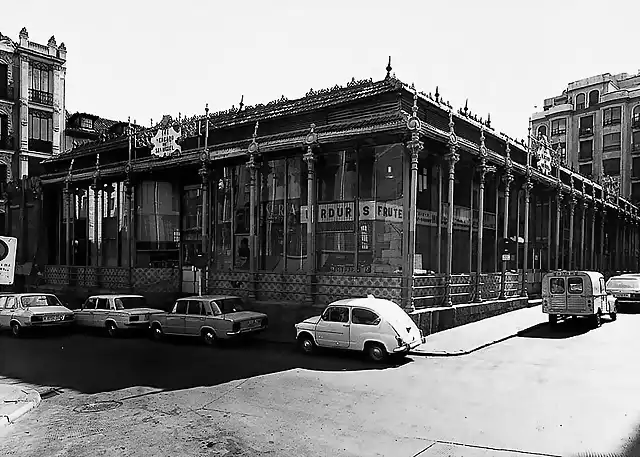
565 392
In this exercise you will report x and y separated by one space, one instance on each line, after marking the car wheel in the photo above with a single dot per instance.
553 319
16 329
156 332
613 316
112 330
306 344
596 320
376 352
209 337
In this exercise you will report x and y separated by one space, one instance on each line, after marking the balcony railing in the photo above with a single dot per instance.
611 122
558 131
635 147
584 157
38 96
40 146
611 147
586 131
635 123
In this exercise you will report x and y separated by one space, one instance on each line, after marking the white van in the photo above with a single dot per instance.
576 293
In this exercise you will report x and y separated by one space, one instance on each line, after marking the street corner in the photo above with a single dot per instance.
16 401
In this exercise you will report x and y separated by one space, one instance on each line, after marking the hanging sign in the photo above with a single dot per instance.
164 142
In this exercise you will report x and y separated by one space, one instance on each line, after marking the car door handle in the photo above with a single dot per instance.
346 325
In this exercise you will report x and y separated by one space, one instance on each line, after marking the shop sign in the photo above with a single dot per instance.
8 245
164 142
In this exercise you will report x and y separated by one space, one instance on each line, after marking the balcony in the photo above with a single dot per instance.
611 122
585 131
41 97
611 147
635 123
40 146
635 147
556 132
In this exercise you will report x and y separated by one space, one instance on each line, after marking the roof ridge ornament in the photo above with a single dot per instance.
453 139
389 68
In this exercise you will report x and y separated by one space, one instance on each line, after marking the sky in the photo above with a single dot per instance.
148 58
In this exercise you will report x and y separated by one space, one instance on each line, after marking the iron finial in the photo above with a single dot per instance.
389 68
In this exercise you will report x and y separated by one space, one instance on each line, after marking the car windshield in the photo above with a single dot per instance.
230 305
40 300
623 283
130 302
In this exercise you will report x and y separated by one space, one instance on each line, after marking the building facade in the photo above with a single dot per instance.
32 125
372 187
595 126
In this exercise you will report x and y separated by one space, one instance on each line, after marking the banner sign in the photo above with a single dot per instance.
391 212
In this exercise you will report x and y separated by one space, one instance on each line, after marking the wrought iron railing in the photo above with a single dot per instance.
39 96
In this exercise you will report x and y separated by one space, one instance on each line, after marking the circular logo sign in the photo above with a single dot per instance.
4 250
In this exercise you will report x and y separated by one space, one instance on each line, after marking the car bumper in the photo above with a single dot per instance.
409 346
49 324
137 325
247 331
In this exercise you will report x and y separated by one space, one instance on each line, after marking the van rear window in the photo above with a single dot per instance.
575 285
556 285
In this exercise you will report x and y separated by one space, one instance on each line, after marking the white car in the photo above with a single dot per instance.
32 310
376 326
115 313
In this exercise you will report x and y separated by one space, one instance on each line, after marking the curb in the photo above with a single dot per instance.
477 348
33 400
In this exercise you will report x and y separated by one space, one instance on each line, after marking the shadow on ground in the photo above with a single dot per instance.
91 363
569 328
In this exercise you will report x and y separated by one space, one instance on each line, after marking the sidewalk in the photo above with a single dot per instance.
468 338
16 401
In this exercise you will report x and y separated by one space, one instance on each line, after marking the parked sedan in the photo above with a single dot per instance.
32 310
210 317
376 326
626 288
115 313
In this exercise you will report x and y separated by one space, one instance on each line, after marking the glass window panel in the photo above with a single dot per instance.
157 222
223 256
272 213
337 188
44 127
296 202
388 213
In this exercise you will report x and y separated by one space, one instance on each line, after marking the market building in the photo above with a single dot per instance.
367 188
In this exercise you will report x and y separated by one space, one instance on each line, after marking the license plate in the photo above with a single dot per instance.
52 318
623 295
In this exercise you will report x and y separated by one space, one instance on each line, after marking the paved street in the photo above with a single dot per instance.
563 393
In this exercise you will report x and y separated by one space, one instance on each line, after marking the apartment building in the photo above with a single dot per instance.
32 126
595 126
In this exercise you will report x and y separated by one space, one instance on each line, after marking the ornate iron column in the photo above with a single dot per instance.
508 180
206 226
69 210
558 215
528 185
585 206
484 169
414 146
603 219
592 257
252 165
96 212
572 211
452 158
311 141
